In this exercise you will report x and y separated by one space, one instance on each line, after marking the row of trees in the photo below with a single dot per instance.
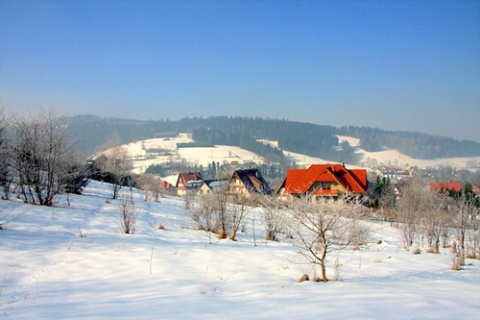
436 217
37 158
307 138
414 144
39 162
315 228
318 228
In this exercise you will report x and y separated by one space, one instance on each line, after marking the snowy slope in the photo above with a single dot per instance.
204 156
75 263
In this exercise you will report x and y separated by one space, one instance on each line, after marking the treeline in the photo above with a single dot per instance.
305 138
91 133
273 172
414 144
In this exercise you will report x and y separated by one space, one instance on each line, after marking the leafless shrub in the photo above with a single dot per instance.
473 234
151 187
6 158
434 220
445 235
273 216
128 215
42 156
457 256
222 222
203 212
359 233
237 212
336 272
416 250
466 224
117 161
409 206
210 213
321 228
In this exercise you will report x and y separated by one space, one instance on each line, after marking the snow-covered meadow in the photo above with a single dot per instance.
75 263
141 159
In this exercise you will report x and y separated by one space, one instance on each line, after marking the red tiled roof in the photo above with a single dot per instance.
299 181
444 186
186 177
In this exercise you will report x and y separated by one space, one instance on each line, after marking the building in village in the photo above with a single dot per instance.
188 181
324 182
247 182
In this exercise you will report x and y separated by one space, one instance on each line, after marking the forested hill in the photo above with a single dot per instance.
91 133
414 144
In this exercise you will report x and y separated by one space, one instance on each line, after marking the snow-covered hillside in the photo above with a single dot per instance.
162 150
75 263
149 152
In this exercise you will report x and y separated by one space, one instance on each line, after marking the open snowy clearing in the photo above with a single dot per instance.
75 263
168 151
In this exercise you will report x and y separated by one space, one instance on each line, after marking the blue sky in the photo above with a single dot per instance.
397 65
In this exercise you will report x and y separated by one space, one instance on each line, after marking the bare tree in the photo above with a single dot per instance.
128 214
43 153
473 243
151 187
6 175
321 228
210 212
238 212
434 220
466 216
222 223
117 163
410 205
273 216
190 199
203 213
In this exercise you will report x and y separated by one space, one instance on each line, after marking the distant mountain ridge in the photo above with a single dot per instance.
91 133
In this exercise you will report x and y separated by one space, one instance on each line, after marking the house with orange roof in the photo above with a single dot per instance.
324 181
446 186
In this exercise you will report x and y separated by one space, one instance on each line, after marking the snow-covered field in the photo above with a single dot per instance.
75 263
220 153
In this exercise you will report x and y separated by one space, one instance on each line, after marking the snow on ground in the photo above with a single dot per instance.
397 159
219 153
353 142
141 159
75 263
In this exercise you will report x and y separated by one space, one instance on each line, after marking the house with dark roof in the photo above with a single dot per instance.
324 181
188 181
247 182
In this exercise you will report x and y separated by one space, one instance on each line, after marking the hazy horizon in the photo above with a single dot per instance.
407 66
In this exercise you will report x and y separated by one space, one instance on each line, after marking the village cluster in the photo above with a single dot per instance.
319 181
